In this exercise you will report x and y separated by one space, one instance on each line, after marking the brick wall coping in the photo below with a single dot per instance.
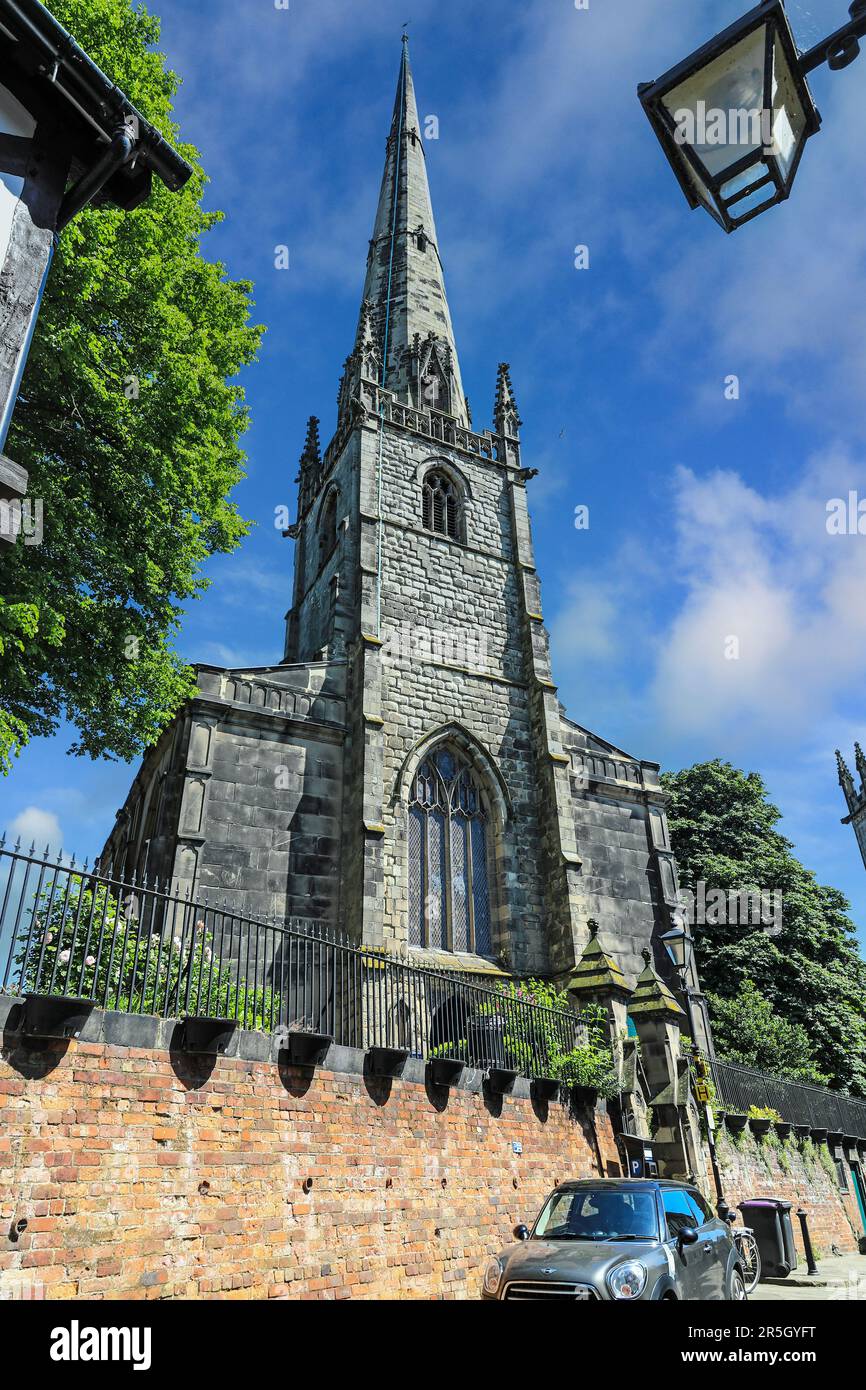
160 1034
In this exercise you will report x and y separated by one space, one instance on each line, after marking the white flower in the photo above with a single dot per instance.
64 956
90 960
49 937
208 953
177 942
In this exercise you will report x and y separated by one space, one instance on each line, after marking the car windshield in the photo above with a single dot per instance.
598 1215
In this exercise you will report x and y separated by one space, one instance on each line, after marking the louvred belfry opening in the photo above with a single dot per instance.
441 506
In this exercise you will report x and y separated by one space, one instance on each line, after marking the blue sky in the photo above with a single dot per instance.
707 515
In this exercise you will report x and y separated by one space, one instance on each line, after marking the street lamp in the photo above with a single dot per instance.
680 947
733 119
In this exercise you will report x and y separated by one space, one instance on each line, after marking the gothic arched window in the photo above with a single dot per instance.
328 527
449 891
441 505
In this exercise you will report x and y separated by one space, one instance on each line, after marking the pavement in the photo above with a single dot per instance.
839 1277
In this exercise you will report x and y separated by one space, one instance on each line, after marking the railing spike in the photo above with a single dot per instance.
18 845
3 840
32 848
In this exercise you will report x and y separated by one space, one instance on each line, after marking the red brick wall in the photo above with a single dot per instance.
136 1181
750 1169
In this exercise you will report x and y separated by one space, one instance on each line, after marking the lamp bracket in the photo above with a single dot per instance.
840 49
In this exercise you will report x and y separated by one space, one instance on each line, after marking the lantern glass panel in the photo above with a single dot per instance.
789 116
718 110
740 182
758 198
702 192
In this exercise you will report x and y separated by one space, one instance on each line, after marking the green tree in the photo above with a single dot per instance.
129 424
747 1029
810 974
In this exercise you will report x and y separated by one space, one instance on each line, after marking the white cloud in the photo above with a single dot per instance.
653 627
219 654
35 825
762 568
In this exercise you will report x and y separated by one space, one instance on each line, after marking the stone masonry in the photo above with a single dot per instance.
290 787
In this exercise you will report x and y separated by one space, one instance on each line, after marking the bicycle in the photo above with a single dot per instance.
750 1255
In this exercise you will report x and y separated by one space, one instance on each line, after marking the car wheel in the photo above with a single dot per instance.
738 1288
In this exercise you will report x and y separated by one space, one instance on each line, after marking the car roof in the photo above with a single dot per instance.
624 1184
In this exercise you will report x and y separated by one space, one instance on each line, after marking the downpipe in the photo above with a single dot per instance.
121 150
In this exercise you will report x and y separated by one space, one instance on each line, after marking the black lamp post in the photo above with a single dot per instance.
680 947
733 119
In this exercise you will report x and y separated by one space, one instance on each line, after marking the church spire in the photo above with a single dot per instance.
404 290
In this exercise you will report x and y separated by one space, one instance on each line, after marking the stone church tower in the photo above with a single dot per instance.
854 796
407 772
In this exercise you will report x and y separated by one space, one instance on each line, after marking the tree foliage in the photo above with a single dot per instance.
129 424
810 975
747 1029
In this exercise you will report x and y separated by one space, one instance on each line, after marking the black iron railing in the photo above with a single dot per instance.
136 947
738 1088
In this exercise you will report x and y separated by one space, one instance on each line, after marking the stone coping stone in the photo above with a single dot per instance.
158 1034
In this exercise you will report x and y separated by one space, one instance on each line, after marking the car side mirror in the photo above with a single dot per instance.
686 1236
521 1232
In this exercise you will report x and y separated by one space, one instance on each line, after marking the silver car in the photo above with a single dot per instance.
622 1240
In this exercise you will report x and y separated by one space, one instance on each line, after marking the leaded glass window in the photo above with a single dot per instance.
449 893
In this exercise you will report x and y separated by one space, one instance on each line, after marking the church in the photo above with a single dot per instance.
406 773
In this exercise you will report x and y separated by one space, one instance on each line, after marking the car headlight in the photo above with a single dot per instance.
492 1275
627 1280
